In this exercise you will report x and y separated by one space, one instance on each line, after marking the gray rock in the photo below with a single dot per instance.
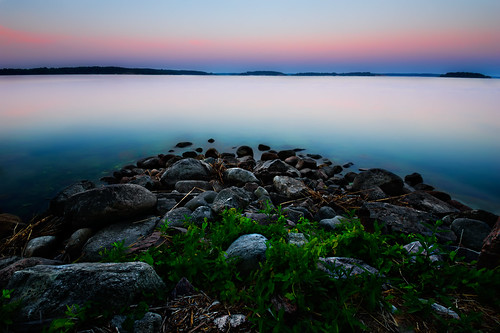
333 223
244 151
471 232
201 213
325 212
297 239
184 186
290 187
57 204
152 162
144 181
40 246
128 232
165 204
261 192
203 199
106 205
342 268
239 177
19 264
416 247
46 290
428 203
402 219
249 249
176 217
267 170
375 193
186 169
226 322
150 323
390 183
77 240
233 197
294 214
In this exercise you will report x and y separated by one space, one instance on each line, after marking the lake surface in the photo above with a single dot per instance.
55 130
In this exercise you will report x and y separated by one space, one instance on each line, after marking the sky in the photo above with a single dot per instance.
221 36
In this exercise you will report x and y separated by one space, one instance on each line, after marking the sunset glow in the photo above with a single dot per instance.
228 36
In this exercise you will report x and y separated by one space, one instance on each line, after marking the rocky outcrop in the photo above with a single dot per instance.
46 290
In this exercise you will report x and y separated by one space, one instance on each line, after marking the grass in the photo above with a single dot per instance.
288 293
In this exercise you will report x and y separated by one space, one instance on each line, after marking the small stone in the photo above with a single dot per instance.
183 144
40 246
262 147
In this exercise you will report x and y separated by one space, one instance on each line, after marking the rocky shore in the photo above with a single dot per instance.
56 260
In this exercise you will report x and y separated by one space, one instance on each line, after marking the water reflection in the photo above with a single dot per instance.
59 129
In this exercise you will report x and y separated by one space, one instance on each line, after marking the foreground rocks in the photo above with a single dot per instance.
171 190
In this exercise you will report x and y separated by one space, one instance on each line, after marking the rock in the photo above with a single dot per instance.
261 192
239 177
414 179
401 219
375 193
297 238
19 264
226 322
128 232
185 186
262 147
212 152
150 323
267 170
211 140
332 170
416 247
201 213
244 151
182 288
342 268
332 223
176 217
186 169
471 233
203 199
183 144
290 187
46 290
8 224
164 205
269 156
232 197
57 204
284 154
347 165
293 214
390 183
246 162
102 206
189 154
325 212
428 203
40 246
490 251
306 163
249 249
315 156
144 181
152 162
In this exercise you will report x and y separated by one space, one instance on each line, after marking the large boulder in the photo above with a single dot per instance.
45 291
232 197
127 232
18 264
102 206
390 183
424 201
249 249
186 169
290 187
402 219
57 204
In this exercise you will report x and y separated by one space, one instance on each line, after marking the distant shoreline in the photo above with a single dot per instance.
114 70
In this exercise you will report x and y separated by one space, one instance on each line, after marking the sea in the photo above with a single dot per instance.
56 130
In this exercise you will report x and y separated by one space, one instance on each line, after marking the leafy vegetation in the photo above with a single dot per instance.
288 293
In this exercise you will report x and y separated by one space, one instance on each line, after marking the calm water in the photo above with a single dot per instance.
55 130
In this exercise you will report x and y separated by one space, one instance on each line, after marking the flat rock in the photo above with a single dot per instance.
102 206
197 186
128 232
424 201
402 219
46 290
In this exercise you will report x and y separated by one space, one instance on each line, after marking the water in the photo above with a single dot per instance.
56 130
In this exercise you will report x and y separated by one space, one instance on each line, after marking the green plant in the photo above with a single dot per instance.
118 253
8 308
